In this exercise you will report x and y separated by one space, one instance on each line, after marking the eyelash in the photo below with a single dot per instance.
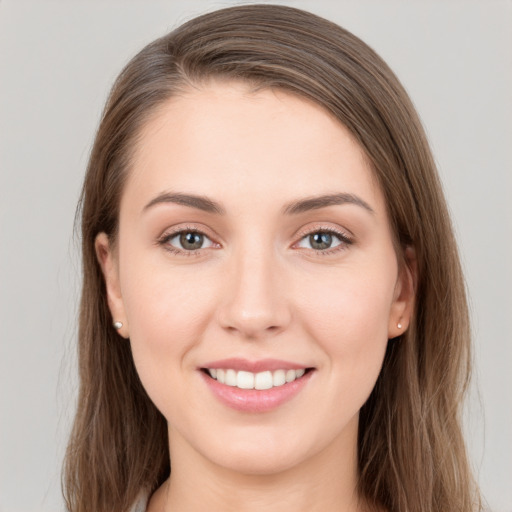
345 241
344 238
167 237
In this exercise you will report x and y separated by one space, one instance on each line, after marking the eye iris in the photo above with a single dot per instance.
191 241
320 240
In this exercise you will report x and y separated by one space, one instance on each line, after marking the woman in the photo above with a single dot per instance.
273 304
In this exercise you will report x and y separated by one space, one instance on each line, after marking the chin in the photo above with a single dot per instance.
258 463
259 453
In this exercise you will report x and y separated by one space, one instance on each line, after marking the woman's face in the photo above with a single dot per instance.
254 242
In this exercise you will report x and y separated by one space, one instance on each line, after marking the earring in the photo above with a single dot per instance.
117 325
399 326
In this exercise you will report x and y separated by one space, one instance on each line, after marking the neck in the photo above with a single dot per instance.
325 481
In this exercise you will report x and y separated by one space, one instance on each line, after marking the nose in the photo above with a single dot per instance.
255 304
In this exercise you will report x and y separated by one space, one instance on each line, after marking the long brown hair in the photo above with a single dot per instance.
410 448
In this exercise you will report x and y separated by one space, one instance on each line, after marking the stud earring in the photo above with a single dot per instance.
117 325
399 326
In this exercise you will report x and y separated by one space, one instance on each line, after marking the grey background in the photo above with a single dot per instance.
57 62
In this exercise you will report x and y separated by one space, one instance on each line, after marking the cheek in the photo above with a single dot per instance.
167 312
164 302
351 302
349 319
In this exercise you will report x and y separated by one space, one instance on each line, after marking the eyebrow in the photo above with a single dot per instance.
317 202
303 205
194 201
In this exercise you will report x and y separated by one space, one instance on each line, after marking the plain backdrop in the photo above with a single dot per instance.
57 62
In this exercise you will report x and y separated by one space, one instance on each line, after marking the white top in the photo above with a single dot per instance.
141 503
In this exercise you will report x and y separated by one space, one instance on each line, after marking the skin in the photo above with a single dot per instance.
256 289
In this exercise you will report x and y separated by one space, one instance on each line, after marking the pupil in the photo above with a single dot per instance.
191 240
320 240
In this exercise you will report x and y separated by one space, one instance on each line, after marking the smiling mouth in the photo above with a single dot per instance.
259 381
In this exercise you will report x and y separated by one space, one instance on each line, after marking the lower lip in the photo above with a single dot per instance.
254 400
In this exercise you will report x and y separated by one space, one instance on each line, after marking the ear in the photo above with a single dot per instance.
405 294
110 268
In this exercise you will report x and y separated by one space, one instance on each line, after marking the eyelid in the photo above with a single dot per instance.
188 228
345 236
174 231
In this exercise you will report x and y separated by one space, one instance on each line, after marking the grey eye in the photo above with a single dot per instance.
190 241
321 241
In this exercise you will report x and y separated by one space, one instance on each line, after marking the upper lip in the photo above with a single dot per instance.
261 365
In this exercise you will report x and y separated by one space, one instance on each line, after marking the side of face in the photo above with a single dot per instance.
287 255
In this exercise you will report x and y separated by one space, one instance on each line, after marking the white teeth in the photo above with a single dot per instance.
263 380
245 380
260 381
279 378
291 375
230 378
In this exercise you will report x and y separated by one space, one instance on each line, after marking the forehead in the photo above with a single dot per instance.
228 140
